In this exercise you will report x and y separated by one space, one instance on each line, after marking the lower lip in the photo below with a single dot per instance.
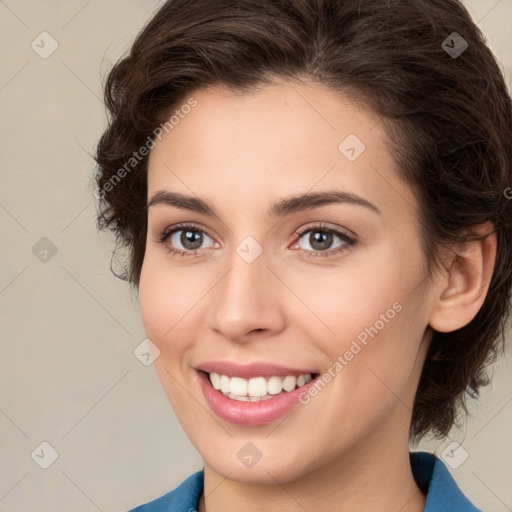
250 413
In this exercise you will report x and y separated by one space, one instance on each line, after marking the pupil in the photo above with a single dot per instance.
319 240
193 238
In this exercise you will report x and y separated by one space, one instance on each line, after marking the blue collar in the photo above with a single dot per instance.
434 479
431 475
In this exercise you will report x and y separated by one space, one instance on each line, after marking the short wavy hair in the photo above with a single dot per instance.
448 119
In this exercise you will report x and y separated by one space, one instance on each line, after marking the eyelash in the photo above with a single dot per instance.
320 227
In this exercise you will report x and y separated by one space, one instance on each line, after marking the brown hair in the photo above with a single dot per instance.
448 121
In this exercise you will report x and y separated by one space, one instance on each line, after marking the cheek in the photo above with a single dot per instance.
163 309
339 304
378 360
167 298
154 306
369 321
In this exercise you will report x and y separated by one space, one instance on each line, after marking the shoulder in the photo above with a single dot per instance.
182 498
433 477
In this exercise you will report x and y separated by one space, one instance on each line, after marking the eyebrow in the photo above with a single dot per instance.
281 208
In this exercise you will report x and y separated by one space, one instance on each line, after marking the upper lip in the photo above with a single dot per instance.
255 369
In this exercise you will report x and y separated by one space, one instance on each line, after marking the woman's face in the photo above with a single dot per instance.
263 281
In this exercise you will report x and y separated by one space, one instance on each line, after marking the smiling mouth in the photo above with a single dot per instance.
256 389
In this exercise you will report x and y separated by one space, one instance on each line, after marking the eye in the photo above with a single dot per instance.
189 236
321 238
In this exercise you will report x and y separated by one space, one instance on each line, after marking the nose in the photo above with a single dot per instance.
247 302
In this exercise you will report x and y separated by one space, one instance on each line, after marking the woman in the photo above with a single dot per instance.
313 195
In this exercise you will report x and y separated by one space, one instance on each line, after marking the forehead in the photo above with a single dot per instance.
283 139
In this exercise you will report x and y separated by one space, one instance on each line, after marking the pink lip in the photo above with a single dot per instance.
251 413
251 370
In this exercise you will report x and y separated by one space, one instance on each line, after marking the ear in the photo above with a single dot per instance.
460 292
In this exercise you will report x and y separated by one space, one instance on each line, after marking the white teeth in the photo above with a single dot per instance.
238 386
289 383
247 398
256 388
224 383
274 385
237 397
215 380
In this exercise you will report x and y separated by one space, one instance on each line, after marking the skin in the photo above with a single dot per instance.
347 449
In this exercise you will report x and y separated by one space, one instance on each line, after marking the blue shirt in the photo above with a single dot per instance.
431 475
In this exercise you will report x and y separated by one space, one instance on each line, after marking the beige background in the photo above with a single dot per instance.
68 375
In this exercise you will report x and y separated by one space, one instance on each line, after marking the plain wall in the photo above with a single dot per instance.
68 375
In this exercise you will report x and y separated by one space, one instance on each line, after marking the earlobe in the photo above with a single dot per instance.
461 291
